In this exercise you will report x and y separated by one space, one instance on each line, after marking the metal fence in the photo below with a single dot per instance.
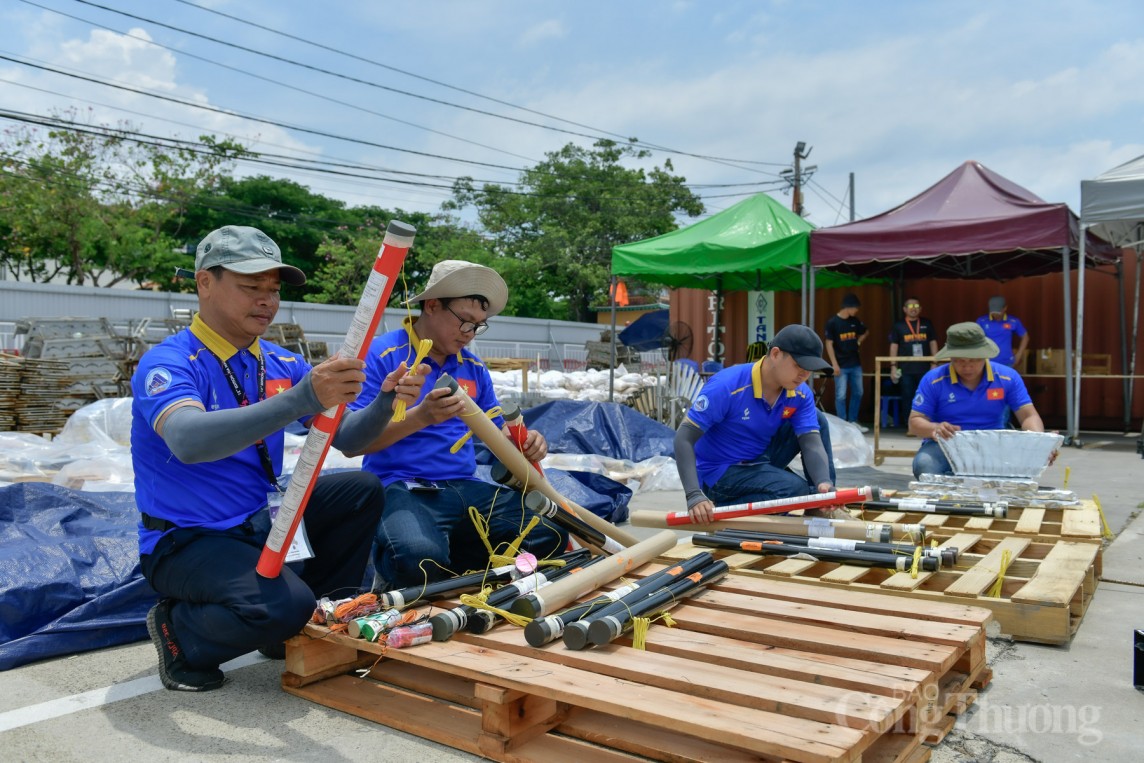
556 344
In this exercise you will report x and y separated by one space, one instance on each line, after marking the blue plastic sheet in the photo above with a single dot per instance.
606 429
69 572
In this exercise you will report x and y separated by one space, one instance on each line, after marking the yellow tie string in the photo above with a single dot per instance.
422 350
995 591
479 601
492 413
1105 530
640 626
917 560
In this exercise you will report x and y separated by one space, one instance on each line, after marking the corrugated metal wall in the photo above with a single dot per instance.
1038 302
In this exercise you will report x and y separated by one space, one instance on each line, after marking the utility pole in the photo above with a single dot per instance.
798 175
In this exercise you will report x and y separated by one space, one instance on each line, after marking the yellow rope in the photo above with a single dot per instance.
422 350
916 562
479 601
995 591
482 526
640 626
1105 530
1068 471
492 413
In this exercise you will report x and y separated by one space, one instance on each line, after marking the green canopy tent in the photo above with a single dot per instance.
757 244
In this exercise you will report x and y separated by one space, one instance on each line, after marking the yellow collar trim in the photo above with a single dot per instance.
216 344
988 373
757 381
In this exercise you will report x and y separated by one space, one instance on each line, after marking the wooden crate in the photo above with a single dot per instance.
1045 591
751 671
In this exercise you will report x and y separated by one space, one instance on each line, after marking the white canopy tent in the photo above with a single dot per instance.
1112 207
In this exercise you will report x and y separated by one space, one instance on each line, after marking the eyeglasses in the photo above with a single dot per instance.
469 327
912 305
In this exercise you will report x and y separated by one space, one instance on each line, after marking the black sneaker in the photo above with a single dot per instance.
273 651
174 672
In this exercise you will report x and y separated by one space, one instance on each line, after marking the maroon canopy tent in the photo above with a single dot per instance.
973 223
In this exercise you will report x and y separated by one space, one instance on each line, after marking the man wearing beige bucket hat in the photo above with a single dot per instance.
430 481
968 392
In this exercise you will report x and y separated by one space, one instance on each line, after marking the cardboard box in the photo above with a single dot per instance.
1050 361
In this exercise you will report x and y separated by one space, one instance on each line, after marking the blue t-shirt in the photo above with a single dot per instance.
1002 332
738 423
425 453
942 397
215 494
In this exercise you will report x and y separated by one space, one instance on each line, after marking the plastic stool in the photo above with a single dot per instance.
891 410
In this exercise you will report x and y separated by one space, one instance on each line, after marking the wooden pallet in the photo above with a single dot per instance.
1045 592
751 671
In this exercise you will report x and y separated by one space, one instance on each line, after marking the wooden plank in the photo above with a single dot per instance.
1030 522
644 740
984 573
790 567
978 524
1059 575
1080 523
846 573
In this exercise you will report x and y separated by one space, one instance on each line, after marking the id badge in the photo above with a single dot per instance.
919 350
300 549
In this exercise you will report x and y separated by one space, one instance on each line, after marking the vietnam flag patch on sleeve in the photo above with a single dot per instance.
469 385
789 411
277 386
995 393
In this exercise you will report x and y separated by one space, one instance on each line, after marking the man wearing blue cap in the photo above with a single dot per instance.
209 408
748 424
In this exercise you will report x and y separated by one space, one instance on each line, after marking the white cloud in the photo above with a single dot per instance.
538 34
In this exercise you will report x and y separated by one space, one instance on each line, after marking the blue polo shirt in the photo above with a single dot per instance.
1002 332
942 397
425 453
738 423
218 494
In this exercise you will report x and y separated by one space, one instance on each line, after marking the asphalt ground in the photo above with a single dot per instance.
1045 703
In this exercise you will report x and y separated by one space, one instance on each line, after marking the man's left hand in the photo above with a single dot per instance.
535 446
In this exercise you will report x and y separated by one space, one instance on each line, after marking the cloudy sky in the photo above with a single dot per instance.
416 93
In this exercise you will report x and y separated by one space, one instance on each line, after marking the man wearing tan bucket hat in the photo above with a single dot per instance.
430 481
969 392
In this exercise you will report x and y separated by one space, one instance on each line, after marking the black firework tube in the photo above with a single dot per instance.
445 589
448 622
576 630
448 588
947 555
546 507
608 629
860 558
502 476
999 509
482 620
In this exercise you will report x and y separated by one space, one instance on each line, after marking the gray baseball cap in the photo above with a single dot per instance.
246 250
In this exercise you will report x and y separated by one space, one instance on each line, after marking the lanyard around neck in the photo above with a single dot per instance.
242 400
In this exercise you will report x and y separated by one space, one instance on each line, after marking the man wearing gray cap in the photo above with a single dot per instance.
1001 327
209 408
969 392
749 422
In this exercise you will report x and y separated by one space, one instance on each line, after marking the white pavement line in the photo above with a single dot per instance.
55 708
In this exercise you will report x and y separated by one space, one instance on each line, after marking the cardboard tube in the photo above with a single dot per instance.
809 526
521 468
571 587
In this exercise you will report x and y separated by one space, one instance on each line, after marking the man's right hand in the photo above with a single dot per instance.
337 380
943 430
702 512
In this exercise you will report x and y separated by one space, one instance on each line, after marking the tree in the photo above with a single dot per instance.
95 203
346 256
553 233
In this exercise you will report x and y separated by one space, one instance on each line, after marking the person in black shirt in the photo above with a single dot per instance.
913 337
844 334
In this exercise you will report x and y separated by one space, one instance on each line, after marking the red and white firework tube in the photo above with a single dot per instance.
386 268
780 505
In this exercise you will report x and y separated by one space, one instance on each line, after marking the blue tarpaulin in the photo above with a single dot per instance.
69 560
